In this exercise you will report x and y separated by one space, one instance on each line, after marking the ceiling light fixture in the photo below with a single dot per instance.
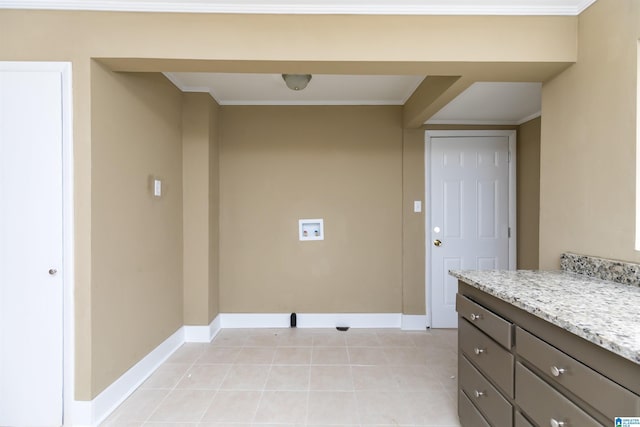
296 81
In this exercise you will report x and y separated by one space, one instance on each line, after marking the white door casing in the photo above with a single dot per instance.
35 242
470 184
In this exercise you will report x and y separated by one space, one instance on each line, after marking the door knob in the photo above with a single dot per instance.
437 242
53 271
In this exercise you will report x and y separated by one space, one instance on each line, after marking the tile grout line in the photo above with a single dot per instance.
217 389
264 386
353 385
151 413
306 413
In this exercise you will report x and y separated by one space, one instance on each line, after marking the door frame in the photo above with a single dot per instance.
429 134
68 260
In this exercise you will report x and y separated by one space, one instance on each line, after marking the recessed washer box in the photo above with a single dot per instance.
311 229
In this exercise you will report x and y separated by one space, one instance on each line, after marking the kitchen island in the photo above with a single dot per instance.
553 349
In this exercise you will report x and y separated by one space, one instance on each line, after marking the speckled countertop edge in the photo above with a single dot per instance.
602 312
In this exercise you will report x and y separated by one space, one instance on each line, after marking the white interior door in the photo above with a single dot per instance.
469 213
31 245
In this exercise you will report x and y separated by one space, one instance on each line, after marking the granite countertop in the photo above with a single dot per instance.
603 312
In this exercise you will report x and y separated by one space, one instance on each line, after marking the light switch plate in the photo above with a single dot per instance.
417 206
157 187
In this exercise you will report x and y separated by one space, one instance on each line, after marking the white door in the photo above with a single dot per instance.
469 214
31 293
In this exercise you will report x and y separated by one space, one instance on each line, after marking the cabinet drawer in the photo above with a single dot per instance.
521 421
468 414
543 404
496 409
493 360
600 392
490 323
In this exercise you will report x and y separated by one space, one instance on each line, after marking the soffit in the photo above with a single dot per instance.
323 89
492 103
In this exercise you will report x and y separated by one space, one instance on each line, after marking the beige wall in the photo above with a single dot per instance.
214 210
413 245
587 201
413 180
587 189
136 239
200 207
281 164
486 48
528 190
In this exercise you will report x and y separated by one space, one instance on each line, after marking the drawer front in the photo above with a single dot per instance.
603 394
496 409
521 421
491 324
468 414
543 404
494 361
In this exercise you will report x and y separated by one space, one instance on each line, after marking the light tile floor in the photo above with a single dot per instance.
302 377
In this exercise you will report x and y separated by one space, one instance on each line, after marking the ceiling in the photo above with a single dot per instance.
482 103
323 89
491 103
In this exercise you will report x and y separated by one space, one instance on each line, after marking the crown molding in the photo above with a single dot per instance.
351 7
529 118
464 122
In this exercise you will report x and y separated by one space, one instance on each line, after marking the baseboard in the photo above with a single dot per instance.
310 320
352 320
202 333
412 322
254 320
92 413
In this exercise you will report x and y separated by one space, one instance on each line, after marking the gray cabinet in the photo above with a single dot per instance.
521 421
564 372
545 405
468 413
485 365
515 369
495 407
